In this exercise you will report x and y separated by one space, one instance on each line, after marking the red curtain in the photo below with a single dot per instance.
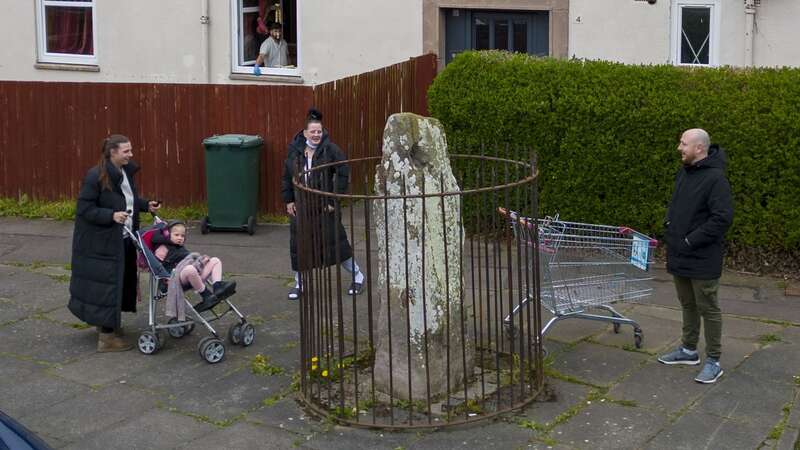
69 30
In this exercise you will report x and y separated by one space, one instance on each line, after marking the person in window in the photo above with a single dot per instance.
103 282
312 147
274 51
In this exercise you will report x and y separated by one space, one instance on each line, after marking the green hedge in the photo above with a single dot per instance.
606 135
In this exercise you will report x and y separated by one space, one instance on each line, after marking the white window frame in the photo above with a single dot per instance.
41 34
236 36
714 30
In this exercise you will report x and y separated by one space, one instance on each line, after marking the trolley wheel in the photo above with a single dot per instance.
176 332
188 328
638 337
235 334
211 349
148 343
616 328
251 225
204 225
248 334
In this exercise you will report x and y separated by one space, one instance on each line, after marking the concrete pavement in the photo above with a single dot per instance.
602 393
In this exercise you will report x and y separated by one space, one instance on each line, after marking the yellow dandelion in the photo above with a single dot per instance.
324 373
313 367
314 359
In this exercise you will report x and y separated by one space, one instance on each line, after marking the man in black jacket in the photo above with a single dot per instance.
699 214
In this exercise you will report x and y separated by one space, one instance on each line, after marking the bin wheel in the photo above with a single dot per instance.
148 343
211 349
248 334
251 225
176 332
638 336
616 328
204 225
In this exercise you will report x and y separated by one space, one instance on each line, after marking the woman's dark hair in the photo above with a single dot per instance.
110 143
313 116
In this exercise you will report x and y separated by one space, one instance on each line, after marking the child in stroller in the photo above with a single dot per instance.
191 269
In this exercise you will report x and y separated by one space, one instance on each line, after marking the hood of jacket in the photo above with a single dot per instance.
716 159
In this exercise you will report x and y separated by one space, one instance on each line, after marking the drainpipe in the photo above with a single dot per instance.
205 43
750 20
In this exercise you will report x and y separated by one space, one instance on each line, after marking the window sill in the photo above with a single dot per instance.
268 78
67 67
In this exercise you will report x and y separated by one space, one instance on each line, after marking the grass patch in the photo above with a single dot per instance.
776 431
37 209
60 278
273 218
80 326
260 365
765 339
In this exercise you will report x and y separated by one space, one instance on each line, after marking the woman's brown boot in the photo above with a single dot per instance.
110 342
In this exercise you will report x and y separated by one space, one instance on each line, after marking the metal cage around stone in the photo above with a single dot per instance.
424 344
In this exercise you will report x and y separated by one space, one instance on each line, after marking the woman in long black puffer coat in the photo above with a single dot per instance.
103 282
312 147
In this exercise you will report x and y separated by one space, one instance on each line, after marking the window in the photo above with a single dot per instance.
517 31
65 31
695 40
251 18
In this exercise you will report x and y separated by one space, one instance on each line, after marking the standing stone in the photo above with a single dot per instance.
415 158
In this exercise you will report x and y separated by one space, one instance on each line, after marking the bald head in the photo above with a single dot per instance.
694 145
699 136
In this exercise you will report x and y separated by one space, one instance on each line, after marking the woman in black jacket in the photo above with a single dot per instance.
103 282
310 148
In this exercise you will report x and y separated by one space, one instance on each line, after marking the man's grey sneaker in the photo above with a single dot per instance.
710 373
294 293
680 356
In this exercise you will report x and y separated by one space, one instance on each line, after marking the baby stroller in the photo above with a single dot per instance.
151 340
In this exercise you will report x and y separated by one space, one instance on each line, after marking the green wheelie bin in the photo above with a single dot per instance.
232 169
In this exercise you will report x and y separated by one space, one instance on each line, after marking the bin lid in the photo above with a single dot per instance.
233 140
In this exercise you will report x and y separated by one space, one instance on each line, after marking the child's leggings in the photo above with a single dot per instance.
212 270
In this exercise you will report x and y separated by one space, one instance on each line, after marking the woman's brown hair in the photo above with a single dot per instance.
110 143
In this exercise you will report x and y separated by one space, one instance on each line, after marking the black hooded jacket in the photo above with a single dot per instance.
332 246
699 214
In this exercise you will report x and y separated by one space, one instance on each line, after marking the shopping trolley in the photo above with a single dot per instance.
583 267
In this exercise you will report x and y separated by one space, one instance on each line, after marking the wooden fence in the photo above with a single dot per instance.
50 132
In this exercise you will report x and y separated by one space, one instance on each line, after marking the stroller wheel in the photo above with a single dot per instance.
148 343
235 334
176 332
248 334
211 349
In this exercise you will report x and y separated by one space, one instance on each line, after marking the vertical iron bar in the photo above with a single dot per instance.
388 297
442 199
367 226
408 299
425 306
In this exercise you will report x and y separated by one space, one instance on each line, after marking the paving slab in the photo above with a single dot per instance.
154 428
36 391
697 430
246 436
227 397
561 396
492 435
610 426
43 340
747 399
76 418
597 364
286 414
660 387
